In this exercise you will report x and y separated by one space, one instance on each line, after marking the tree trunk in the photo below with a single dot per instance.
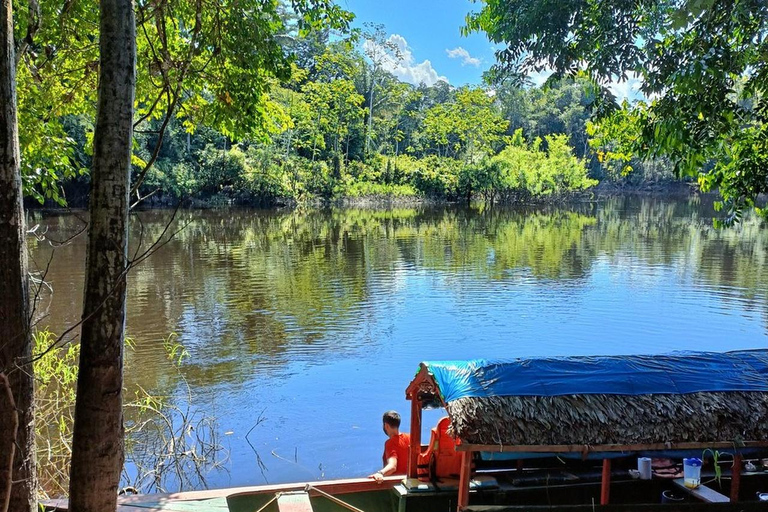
15 338
9 425
97 446
370 115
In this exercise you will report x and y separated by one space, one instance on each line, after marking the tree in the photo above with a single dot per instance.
701 63
390 130
97 441
197 60
469 126
380 50
337 107
333 101
56 77
15 336
220 42
10 425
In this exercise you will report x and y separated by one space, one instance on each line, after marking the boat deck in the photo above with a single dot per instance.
539 490
215 500
202 501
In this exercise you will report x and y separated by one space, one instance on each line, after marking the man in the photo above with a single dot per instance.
395 448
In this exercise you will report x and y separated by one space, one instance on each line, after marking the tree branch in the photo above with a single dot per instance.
33 25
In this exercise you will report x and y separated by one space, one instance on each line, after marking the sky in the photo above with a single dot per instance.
428 35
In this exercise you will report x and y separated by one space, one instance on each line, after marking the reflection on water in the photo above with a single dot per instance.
318 319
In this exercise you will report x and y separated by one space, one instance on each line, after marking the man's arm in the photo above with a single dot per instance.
390 468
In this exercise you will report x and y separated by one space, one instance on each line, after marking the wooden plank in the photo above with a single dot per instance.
586 448
336 500
341 486
294 502
702 492
210 505
143 508
688 506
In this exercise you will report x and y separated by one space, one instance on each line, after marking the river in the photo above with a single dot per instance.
304 326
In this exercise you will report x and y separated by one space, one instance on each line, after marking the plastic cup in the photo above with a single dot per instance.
692 472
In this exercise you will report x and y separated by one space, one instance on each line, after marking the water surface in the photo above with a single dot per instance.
311 323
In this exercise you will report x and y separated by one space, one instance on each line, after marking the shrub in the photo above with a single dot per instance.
366 188
317 179
437 177
525 171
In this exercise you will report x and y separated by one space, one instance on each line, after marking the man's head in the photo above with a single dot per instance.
391 420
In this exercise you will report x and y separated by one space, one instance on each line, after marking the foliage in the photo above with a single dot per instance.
318 179
716 459
319 118
166 443
437 177
525 171
335 106
221 169
467 127
610 139
207 64
367 188
56 375
702 67
380 50
558 106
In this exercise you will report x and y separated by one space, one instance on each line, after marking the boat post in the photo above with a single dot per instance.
414 449
464 476
735 478
605 489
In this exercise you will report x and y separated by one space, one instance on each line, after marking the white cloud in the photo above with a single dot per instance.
405 68
539 77
627 89
466 58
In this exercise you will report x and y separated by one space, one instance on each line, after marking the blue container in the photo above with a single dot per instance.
669 496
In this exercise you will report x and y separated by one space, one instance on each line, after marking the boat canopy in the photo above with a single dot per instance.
677 373
649 402
597 407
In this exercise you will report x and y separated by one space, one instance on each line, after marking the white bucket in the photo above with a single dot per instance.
644 468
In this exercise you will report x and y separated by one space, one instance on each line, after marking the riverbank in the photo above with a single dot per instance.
674 190
671 190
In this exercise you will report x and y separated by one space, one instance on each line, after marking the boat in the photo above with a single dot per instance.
561 433
608 409
564 432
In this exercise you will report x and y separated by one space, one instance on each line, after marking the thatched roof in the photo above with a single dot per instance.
639 400
611 419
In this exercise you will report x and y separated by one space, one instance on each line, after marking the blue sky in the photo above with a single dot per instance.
429 31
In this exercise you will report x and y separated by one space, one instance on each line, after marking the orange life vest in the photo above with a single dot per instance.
440 460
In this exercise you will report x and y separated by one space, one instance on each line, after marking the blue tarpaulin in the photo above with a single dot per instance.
676 373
